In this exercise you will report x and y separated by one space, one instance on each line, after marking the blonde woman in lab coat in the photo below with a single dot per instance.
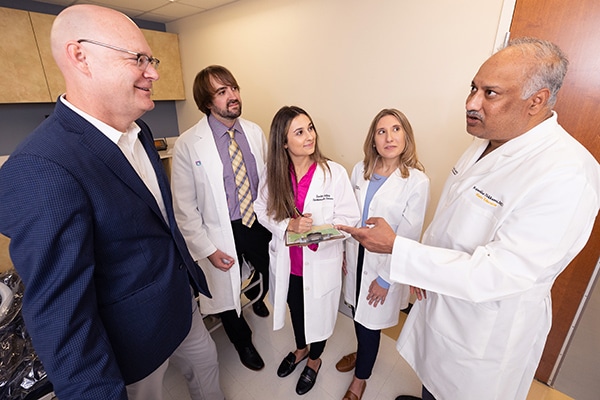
388 183
301 189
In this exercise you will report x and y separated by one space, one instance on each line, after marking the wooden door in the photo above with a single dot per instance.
573 26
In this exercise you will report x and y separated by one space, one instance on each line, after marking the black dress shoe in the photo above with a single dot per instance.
288 365
406 397
250 357
307 380
260 309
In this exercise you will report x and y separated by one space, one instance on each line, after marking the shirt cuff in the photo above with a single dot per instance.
382 283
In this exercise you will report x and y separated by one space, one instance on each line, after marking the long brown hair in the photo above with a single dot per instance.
407 159
281 204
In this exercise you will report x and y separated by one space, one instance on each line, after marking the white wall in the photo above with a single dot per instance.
344 60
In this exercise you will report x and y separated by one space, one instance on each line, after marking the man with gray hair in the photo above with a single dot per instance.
516 208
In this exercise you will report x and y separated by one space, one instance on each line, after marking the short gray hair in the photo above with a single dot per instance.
550 67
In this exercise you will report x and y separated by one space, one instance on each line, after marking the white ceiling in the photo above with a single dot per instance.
151 10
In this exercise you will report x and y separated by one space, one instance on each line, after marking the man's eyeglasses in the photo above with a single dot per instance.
143 60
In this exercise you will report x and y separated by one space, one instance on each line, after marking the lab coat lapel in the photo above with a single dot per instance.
208 155
393 185
362 186
256 145
320 197
316 184
468 170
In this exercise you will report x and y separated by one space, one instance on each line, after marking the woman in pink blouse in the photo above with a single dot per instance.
303 188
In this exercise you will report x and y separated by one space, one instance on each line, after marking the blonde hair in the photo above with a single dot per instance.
407 159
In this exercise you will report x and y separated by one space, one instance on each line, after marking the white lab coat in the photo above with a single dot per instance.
504 228
200 205
330 201
402 202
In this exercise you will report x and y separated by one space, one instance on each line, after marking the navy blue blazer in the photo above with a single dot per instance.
107 279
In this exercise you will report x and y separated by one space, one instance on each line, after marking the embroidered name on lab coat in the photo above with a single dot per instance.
323 197
487 198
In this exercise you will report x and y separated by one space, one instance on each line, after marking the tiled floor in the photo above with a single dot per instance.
392 375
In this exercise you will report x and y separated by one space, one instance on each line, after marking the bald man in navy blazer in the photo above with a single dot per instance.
86 202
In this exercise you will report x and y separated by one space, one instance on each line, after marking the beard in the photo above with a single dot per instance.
227 112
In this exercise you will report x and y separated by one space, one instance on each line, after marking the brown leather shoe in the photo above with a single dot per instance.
351 396
347 363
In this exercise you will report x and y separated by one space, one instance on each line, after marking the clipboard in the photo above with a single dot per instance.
319 233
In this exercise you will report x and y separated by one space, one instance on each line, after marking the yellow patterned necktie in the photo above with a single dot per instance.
241 181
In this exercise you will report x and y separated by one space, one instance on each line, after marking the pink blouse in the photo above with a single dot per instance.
300 190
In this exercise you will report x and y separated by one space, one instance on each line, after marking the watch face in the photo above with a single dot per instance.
160 144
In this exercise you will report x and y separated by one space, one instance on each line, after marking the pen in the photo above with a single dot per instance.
298 212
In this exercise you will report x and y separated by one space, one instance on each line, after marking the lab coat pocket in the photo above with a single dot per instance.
326 276
322 211
471 224
450 320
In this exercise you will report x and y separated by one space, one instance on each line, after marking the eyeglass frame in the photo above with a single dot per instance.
155 62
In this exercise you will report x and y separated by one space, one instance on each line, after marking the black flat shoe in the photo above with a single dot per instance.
288 365
405 397
307 380
250 357
260 309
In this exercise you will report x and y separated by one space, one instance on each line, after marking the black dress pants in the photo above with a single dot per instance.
252 245
295 300
368 339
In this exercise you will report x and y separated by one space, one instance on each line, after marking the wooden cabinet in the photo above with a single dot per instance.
42 25
5 261
165 47
28 73
22 78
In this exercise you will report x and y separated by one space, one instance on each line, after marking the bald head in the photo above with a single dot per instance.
87 21
97 50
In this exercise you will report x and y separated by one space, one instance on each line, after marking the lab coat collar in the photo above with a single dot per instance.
202 128
391 183
540 136
535 140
